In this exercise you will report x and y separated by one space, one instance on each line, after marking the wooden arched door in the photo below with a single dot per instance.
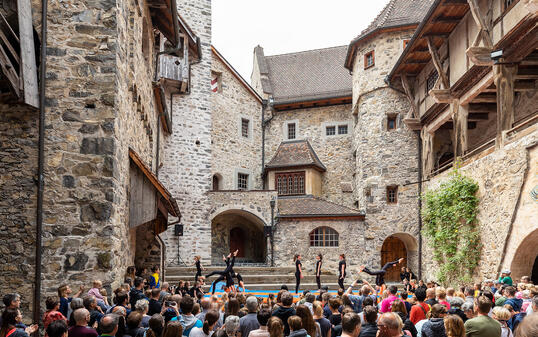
237 241
393 249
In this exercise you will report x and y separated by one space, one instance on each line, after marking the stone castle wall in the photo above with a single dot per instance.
232 152
335 152
501 176
384 157
187 156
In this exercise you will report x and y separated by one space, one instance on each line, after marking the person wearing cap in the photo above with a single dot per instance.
505 278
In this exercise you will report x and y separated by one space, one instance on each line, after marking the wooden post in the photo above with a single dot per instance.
410 97
427 152
28 61
479 19
504 81
460 116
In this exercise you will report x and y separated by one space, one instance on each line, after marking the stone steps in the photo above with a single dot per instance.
260 278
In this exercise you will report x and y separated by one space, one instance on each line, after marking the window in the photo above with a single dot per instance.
392 194
342 129
333 130
290 183
242 181
291 130
244 127
330 130
369 60
215 182
405 43
324 237
508 4
391 123
430 82
216 82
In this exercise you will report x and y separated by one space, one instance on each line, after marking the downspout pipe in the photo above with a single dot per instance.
264 105
40 163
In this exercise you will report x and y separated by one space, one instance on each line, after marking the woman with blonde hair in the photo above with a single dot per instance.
275 327
502 315
454 326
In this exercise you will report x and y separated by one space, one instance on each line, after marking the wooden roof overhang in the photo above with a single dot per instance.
439 22
165 18
166 199
304 104
193 40
321 217
294 167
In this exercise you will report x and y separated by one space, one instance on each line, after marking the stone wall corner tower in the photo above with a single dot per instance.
384 148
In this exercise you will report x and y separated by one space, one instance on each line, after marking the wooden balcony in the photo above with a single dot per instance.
173 73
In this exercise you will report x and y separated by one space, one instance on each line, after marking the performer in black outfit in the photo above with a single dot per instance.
319 258
198 268
298 272
226 274
380 274
341 271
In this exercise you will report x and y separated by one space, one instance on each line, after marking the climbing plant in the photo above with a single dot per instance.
449 217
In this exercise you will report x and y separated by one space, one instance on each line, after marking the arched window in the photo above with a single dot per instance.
215 182
324 237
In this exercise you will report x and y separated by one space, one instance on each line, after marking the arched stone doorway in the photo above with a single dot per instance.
241 230
525 261
396 246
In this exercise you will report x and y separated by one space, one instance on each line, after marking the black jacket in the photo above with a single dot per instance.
284 314
368 330
135 295
408 325
435 327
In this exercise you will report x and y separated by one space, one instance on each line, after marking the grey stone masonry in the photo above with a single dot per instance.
187 159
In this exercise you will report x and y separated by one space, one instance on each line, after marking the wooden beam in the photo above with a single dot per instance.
447 19
437 63
478 88
454 3
450 126
504 81
459 116
480 56
28 60
442 35
415 61
525 86
441 95
527 74
485 98
10 47
9 72
413 112
474 117
427 152
482 108
479 19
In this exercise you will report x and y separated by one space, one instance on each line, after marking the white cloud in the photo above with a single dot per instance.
284 26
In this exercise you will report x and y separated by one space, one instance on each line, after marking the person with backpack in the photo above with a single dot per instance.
420 310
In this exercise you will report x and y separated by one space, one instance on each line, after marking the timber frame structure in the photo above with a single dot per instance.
481 54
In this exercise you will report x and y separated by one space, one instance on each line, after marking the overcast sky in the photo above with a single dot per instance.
285 26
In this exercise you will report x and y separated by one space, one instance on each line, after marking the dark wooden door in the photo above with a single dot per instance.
237 241
393 249
534 274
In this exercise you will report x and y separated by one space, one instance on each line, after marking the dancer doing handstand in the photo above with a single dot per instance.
380 274
226 274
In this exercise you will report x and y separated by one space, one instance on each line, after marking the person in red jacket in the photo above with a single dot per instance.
420 310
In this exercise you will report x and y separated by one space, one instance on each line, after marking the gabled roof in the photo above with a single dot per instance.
309 206
236 74
305 76
296 153
397 14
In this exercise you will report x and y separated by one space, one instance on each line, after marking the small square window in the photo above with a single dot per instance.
242 181
392 194
342 129
244 127
391 123
330 130
291 130
369 60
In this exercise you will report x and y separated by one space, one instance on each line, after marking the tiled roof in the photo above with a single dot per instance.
396 13
307 75
297 153
310 206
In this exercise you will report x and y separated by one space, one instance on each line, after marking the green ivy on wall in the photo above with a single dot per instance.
449 217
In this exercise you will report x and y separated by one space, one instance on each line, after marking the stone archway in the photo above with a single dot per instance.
241 230
525 258
396 246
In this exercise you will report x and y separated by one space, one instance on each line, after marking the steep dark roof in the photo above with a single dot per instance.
397 13
296 153
307 75
310 206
